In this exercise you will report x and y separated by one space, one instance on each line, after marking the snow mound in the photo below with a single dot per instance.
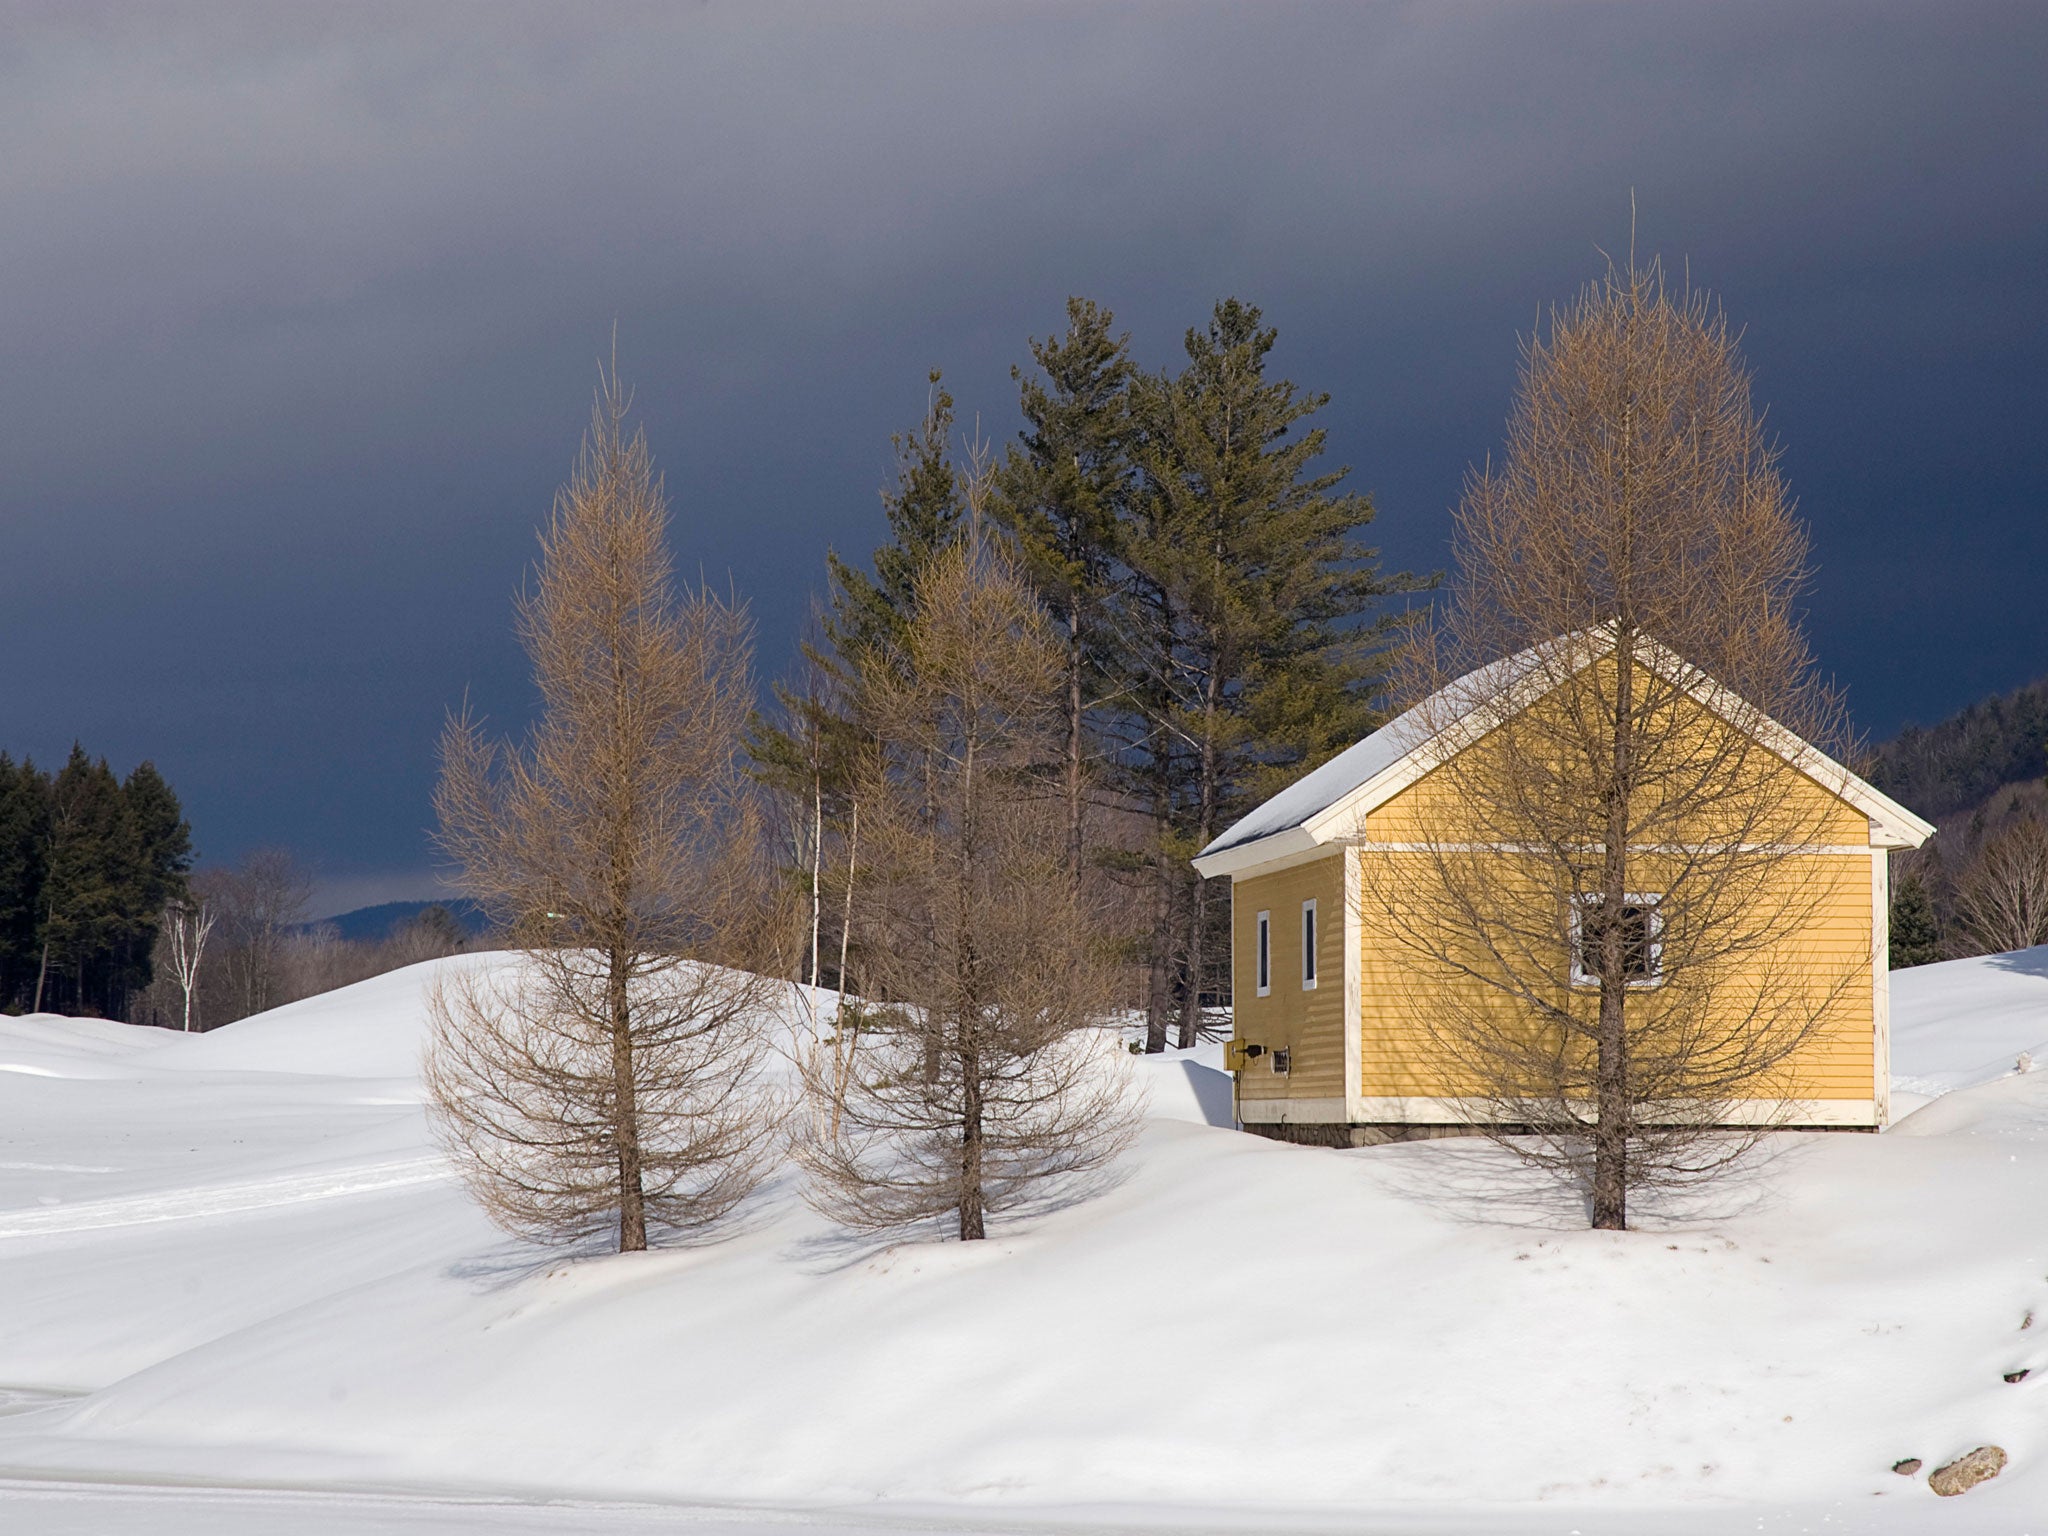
372 1029
253 1266
1962 1022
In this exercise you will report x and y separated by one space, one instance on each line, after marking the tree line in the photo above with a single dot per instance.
1220 622
238 943
1981 885
103 915
88 864
617 1081
966 822
969 815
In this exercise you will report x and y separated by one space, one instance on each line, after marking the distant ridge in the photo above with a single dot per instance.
1961 762
372 923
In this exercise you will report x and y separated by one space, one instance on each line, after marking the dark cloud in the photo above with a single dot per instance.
301 313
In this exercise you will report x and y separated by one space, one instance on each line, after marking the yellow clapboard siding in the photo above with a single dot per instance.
1830 951
1307 1022
1820 904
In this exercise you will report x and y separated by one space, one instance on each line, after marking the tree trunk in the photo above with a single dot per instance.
1159 994
1073 753
973 1216
1198 921
817 866
842 1044
42 972
626 1113
1611 1134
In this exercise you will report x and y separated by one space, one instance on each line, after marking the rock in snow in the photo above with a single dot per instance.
1966 1472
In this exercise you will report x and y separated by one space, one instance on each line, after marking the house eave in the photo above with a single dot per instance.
1891 824
1260 851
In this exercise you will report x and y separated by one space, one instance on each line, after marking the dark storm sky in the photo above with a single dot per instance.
299 315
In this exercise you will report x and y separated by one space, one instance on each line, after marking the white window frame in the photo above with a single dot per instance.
1309 936
1654 900
1262 956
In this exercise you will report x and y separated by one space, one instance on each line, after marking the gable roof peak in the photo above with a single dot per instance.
1322 805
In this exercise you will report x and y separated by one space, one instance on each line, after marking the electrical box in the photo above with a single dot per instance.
1239 1054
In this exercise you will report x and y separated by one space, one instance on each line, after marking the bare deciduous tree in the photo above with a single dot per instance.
186 928
609 1080
2001 895
976 1079
261 901
1604 884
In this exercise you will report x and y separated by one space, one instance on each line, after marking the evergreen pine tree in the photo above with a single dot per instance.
807 754
1060 495
154 856
1260 659
1915 929
82 895
925 511
24 840
866 616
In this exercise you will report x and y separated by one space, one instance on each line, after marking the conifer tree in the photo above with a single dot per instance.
1251 594
1596 916
924 509
978 1085
24 848
82 885
807 753
1061 494
87 864
1915 931
156 855
610 1081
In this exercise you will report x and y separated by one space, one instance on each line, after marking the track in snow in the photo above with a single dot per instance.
223 1199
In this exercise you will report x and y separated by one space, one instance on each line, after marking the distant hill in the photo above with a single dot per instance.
1960 763
372 923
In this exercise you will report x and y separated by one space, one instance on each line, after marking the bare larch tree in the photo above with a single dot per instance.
610 1078
1603 881
981 1078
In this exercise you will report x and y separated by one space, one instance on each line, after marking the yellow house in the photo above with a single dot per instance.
1326 1045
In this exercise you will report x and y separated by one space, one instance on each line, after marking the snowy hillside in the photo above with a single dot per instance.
235 1258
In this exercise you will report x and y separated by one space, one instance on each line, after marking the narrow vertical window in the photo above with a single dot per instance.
1265 961
1308 946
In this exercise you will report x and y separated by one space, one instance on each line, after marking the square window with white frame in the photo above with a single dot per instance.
1642 939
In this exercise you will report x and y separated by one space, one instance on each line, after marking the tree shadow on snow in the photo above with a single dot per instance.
1476 1182
2026 962
514 1259
840 1248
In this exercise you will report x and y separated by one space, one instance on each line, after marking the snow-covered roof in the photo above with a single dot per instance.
1385 749
1306 813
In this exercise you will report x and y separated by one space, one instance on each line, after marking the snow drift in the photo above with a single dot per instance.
240 1250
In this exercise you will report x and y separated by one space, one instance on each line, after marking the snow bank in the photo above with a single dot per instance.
1237 1325
1962 1022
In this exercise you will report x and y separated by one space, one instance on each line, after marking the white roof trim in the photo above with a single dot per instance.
1328 815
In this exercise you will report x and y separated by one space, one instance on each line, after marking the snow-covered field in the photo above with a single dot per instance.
239 1293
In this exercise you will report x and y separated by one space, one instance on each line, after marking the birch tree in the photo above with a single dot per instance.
186 928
